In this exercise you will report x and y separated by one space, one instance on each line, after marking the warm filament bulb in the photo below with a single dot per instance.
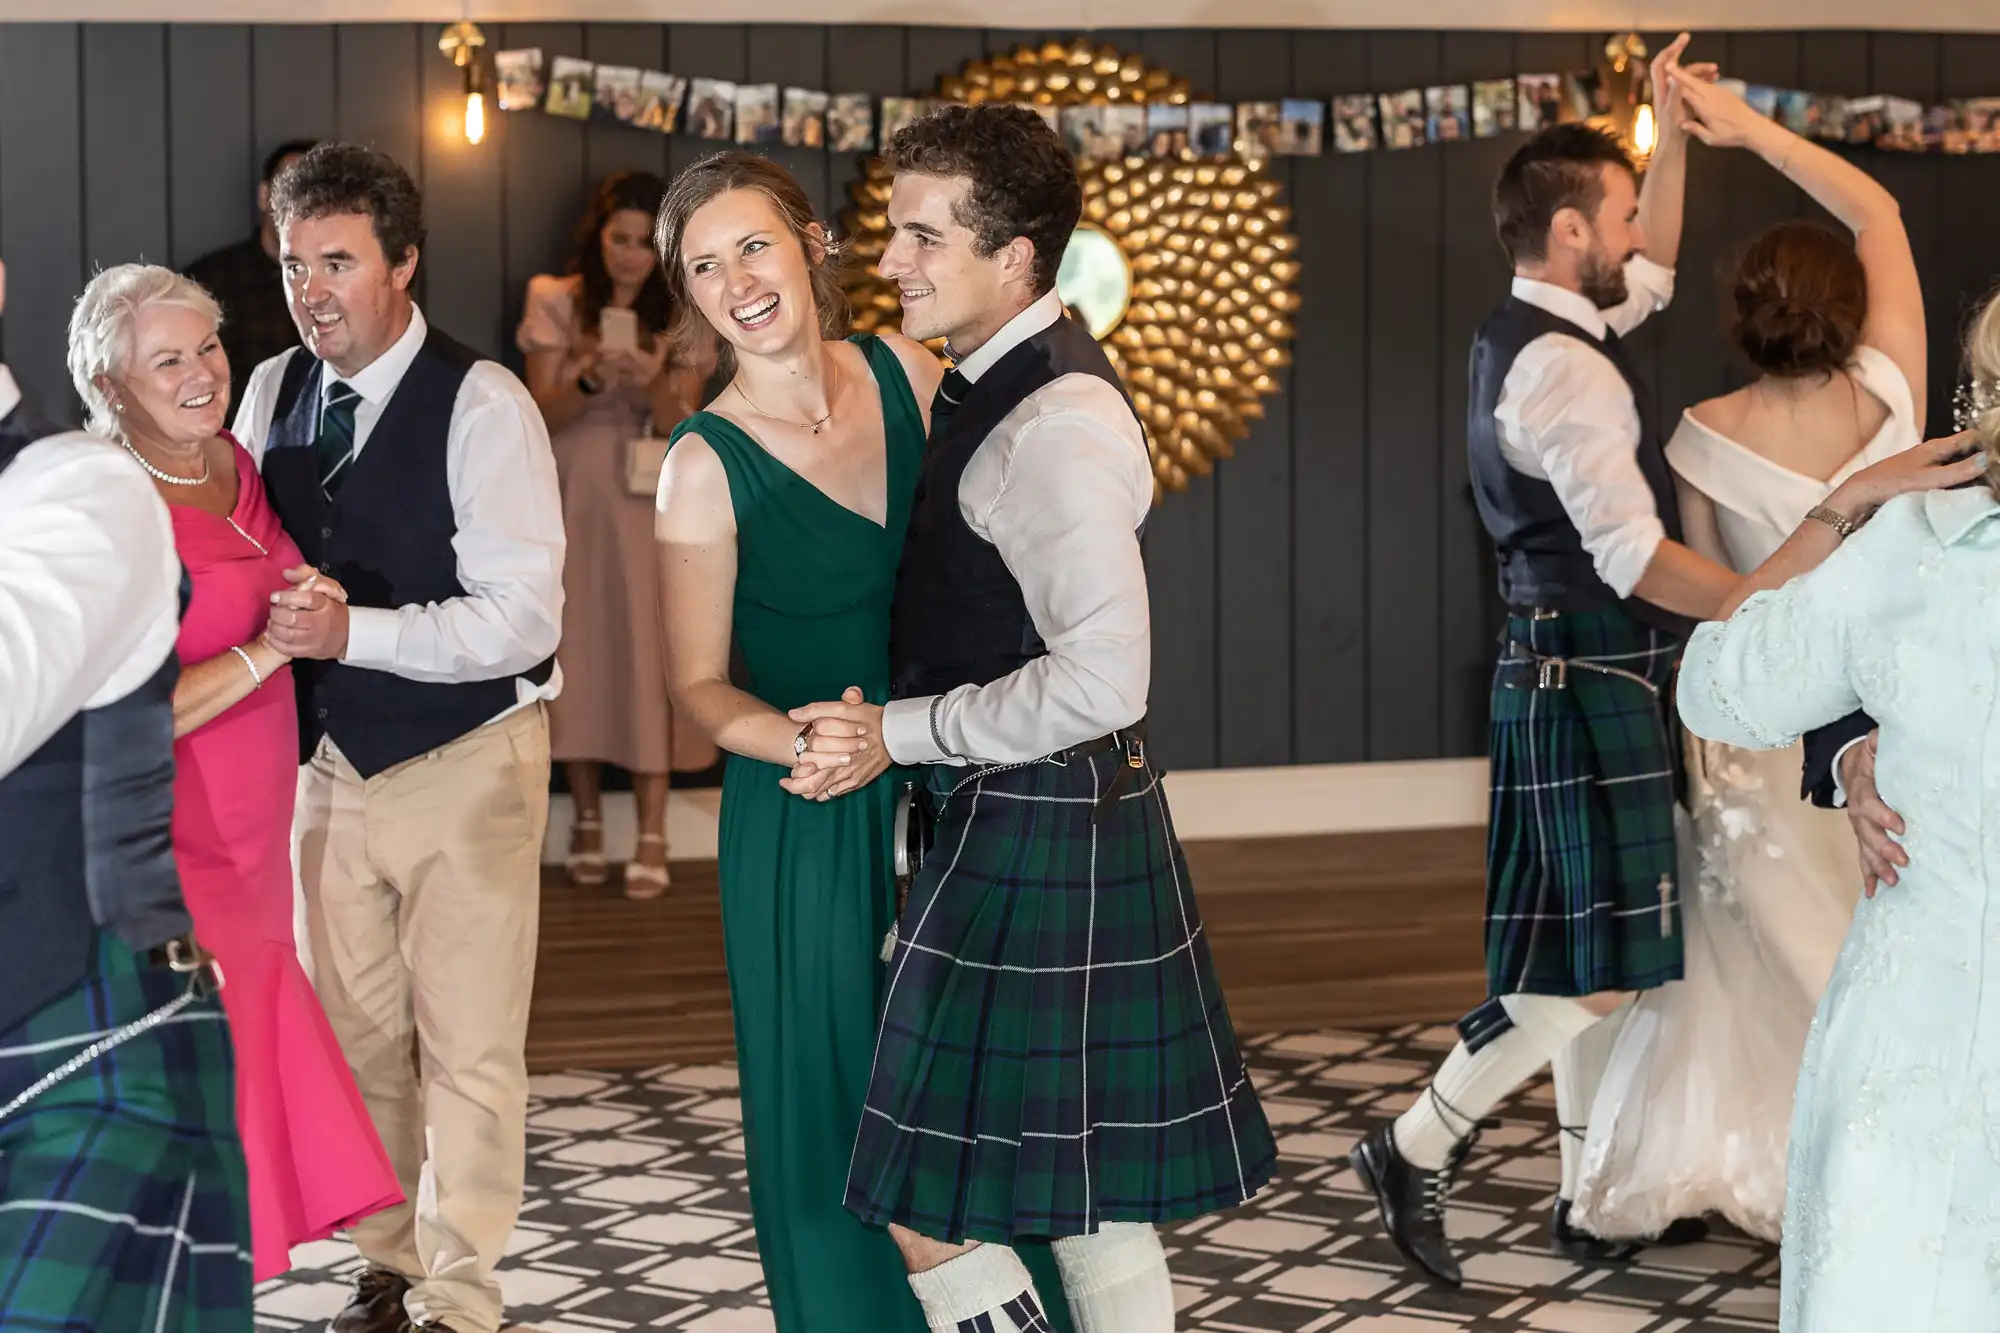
1645 131
475 117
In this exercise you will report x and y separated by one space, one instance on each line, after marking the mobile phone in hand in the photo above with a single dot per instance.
618 330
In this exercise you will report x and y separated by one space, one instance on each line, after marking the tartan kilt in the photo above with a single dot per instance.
1055 1052
123 1199
1581 875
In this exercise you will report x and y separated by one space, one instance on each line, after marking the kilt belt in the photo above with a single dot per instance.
916 817
181 954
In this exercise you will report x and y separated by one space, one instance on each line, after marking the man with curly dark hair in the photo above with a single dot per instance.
1055 1058
419 475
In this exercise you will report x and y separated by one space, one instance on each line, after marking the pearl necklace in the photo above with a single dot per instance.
169 477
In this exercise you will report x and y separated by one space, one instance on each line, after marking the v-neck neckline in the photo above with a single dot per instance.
888 496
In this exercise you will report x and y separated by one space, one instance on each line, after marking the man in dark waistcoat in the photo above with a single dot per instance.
1055 1058
123 1198
1582 901
419 475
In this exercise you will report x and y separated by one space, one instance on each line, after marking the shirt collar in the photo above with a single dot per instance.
379 378
1955 514
1043 313
1563 303
10 393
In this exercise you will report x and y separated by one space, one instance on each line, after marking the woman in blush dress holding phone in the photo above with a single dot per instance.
599 367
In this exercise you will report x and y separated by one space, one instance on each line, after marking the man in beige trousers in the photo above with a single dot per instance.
420 477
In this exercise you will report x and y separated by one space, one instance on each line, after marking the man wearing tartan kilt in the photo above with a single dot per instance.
1055 1058
1583 908
123 1195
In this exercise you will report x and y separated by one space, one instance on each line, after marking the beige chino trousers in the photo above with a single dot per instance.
422 897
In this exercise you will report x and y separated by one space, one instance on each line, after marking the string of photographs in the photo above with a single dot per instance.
766 114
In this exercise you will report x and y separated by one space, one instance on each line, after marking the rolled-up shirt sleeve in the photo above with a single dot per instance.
509 544
1574 413
1649 289
1066 522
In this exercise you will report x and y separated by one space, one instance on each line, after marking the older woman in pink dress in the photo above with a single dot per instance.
145 358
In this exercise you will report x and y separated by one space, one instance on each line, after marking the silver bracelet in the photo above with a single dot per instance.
255 674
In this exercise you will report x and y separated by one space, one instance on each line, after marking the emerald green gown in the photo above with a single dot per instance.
808 887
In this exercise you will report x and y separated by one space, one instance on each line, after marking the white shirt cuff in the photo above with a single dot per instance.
1624 560
906 730
372 635
1840 792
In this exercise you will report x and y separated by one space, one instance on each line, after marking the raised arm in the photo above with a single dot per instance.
1895 323
1663 196
696 529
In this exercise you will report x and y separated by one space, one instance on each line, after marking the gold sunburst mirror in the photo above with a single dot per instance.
1182 267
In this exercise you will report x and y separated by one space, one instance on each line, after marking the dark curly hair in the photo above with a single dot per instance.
626 191
1023 178
1561 167
1799 300
347 178
707 180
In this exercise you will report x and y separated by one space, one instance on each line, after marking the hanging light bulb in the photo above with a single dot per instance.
475 105
462 42
1645 131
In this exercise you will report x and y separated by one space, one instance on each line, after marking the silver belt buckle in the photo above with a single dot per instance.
1553 674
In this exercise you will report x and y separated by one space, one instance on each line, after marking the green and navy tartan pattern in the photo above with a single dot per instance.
1055 1052
1581 890
124 1205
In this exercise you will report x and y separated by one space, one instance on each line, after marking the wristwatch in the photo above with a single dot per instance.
799 741
585 384
1839 522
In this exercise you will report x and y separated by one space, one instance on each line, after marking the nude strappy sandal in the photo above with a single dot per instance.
644 882
587 870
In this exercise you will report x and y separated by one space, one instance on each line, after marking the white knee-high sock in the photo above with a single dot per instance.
1116 1280
1469 1084
980 1282
1578 1069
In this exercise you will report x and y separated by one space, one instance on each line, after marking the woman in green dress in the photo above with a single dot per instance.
781 517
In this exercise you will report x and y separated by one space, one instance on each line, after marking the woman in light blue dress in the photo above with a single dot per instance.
1893 1205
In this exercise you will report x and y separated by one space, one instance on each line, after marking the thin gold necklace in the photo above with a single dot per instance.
831 400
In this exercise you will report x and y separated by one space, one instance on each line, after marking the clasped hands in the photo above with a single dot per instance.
844 749
309 618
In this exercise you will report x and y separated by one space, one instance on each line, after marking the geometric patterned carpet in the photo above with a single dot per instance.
638 1217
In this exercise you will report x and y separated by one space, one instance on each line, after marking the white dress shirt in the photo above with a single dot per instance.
89 585
1567 416
508 507
10 393
1060 488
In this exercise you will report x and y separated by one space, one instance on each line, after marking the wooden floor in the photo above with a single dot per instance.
1333 931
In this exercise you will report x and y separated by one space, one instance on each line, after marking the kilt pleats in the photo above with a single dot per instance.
1581 891
1055 1052
123 1197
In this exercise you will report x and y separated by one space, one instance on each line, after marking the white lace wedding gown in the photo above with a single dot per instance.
1693 1113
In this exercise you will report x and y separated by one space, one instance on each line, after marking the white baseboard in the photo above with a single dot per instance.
1207 804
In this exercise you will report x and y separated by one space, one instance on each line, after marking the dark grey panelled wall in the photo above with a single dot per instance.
1324 596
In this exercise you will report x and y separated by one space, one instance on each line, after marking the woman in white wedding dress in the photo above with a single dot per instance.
1692 1114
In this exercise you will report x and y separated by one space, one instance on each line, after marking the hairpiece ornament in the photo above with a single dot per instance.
1974 399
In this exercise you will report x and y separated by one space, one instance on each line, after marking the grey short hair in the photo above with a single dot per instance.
100 330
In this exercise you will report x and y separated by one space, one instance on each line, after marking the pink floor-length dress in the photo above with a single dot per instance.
315 1161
